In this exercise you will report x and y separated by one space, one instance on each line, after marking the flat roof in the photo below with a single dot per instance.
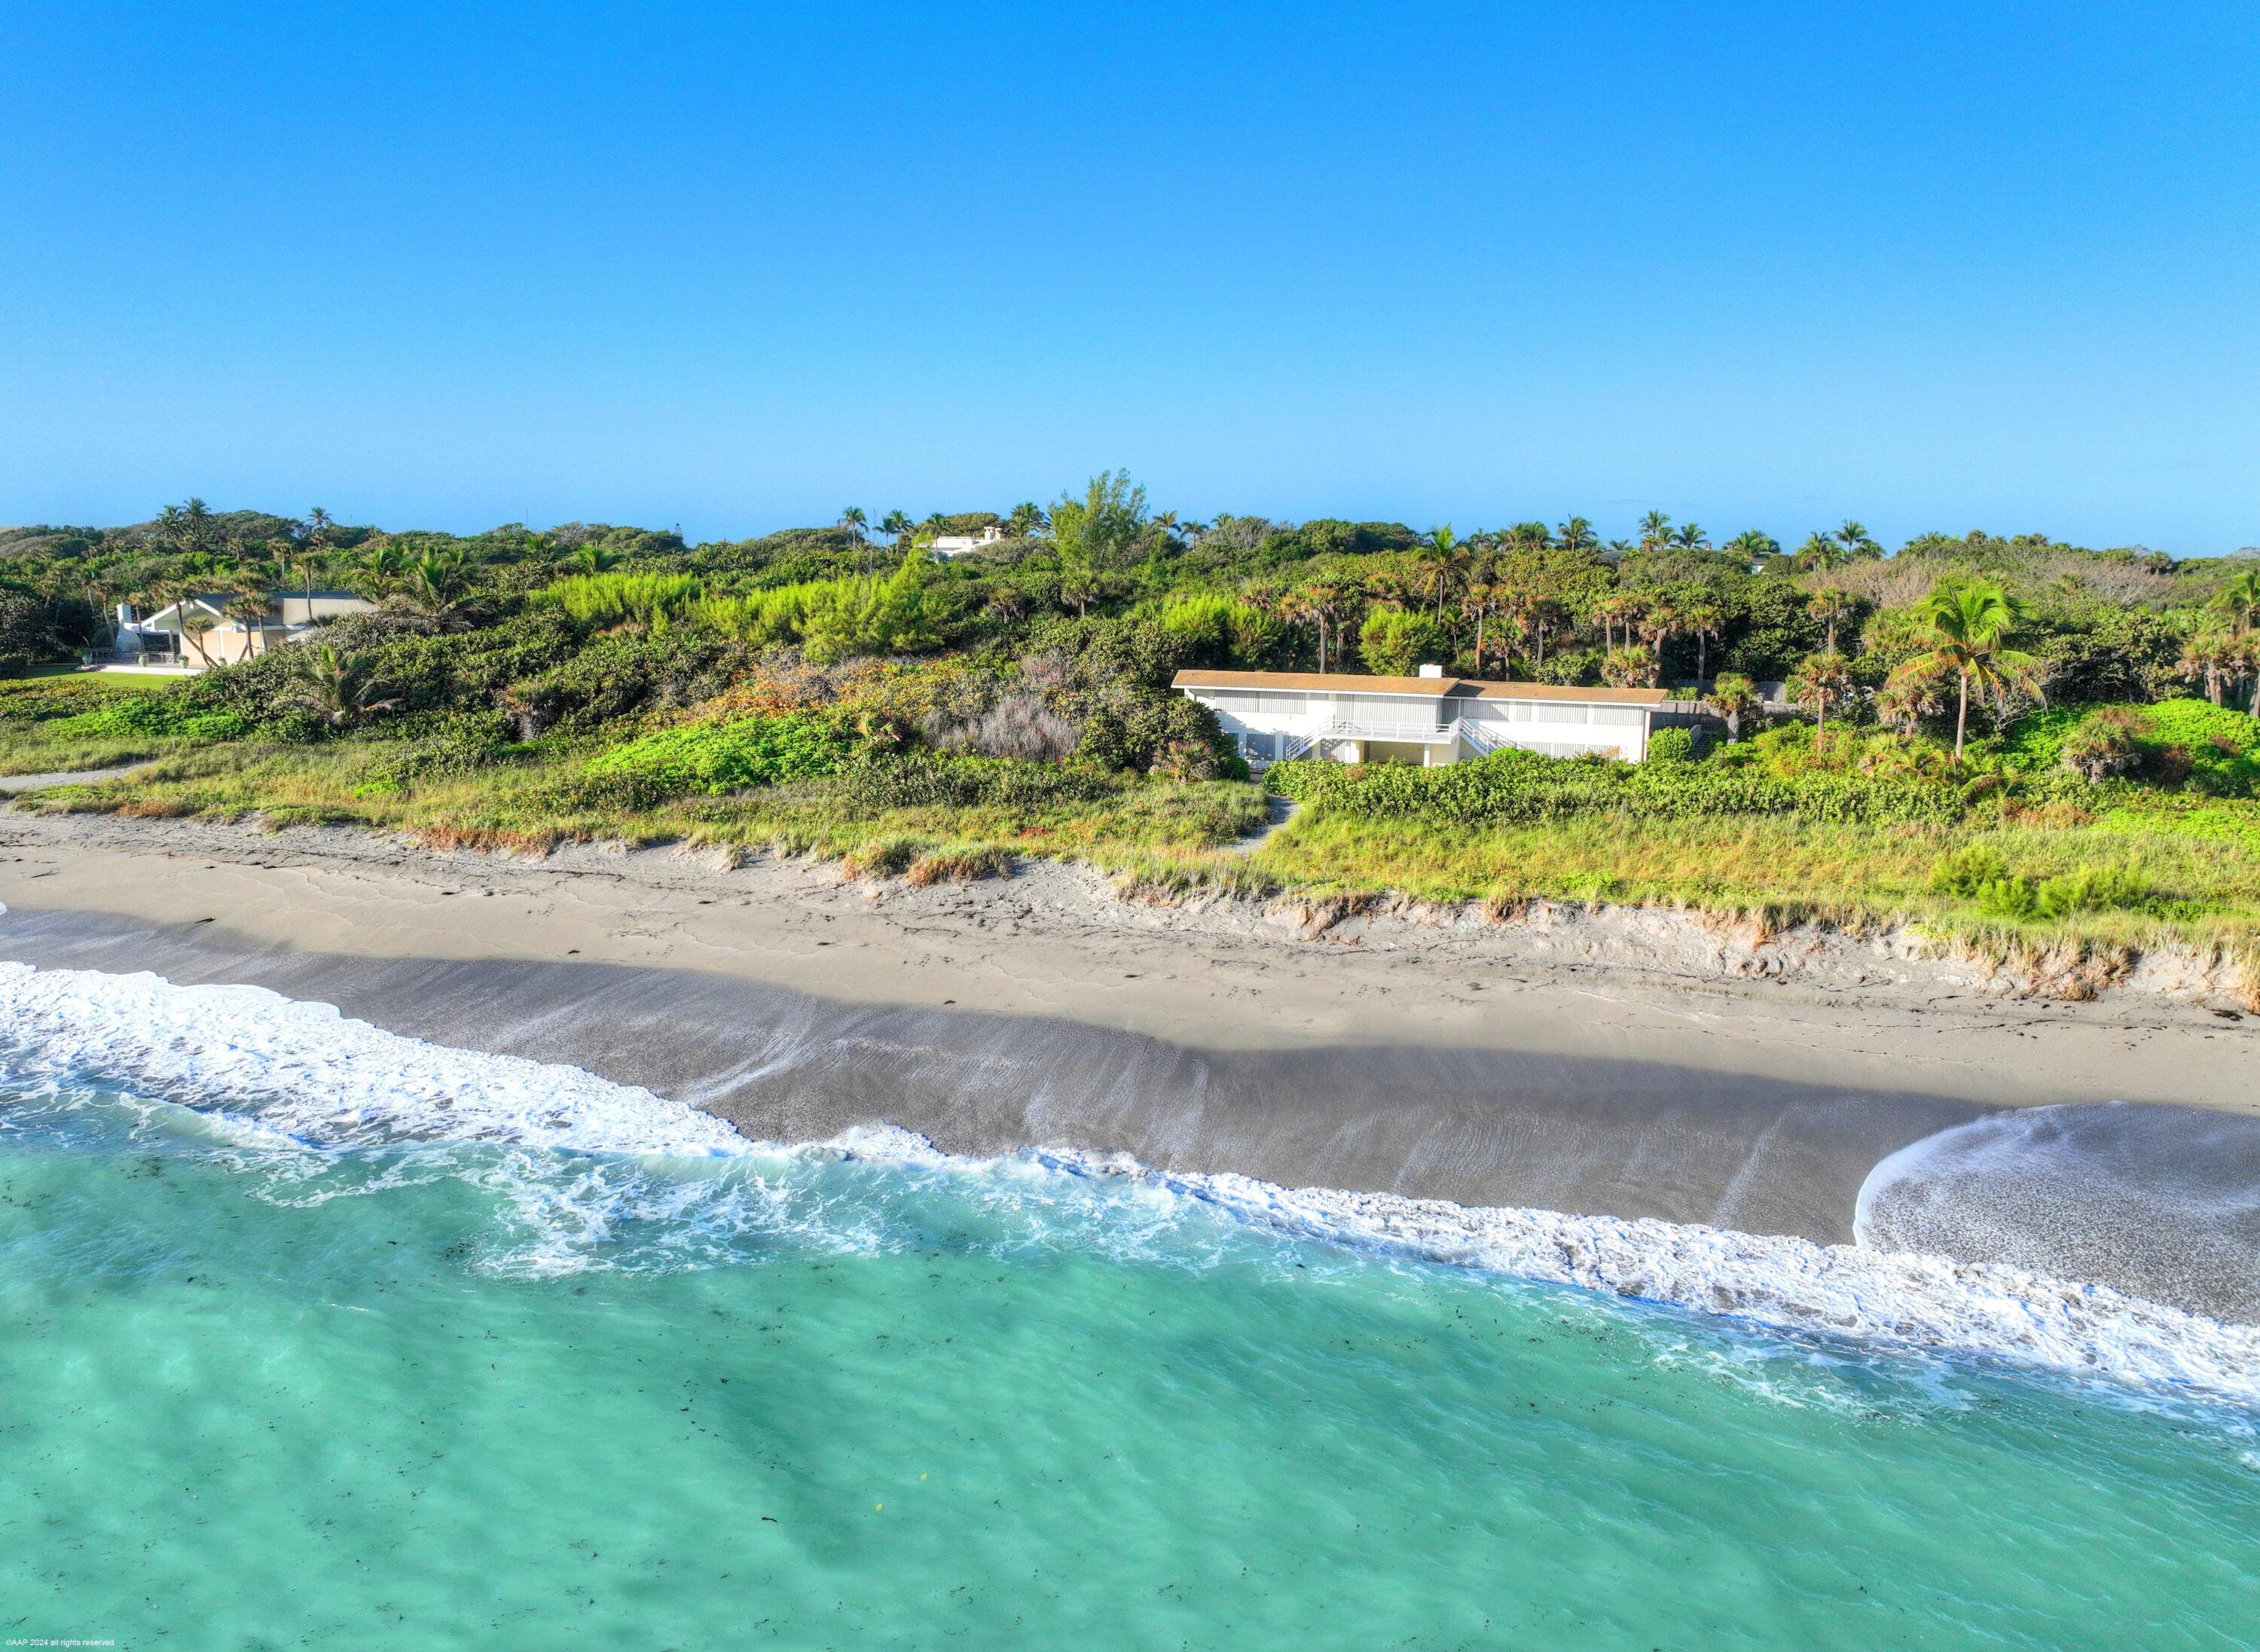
1431 688
1557 691
1325 682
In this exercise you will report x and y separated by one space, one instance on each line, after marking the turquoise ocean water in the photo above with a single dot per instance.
283 1366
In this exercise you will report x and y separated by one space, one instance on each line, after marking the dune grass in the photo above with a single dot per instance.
2198 891
2197 869
536 803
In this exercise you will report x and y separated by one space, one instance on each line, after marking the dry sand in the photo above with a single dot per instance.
1055 941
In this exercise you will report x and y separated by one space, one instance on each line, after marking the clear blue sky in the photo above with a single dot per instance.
737 266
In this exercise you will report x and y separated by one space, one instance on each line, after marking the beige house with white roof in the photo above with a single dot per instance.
218 629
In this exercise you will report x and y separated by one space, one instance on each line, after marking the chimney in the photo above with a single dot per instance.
126 616
1432 670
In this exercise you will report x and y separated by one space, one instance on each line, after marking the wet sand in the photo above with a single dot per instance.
1629 1072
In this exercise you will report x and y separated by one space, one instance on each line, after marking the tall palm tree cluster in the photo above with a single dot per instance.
1499 603
2226 647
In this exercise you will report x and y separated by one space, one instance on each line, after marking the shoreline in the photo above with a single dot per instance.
1054 942
1518 1065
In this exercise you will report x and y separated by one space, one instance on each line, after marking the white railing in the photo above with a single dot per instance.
1364 728
1484 740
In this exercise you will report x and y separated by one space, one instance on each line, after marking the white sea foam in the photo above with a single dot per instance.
329 1082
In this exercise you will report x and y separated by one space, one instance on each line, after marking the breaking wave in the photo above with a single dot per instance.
594 1174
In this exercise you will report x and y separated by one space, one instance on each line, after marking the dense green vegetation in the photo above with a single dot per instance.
2009 735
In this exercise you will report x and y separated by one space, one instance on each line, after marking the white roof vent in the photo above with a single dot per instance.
1432 670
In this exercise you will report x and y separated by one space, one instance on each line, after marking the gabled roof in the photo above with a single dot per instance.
1431 688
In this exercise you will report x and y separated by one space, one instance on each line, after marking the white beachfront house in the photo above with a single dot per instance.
1426 720
211 629
947 546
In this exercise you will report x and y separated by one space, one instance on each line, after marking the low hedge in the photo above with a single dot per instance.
1515 788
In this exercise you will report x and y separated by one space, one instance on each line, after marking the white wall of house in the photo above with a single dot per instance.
947 546
1565 729
1269 723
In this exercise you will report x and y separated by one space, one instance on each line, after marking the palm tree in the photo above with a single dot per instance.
1820 551
1478 601
1320 603
1618 607
1435 574
593 559
1387 584
1659 623
1733 697
1079 584
1823 680
249 610
1831 602
2210 650
1856 542
856 522
1753 545
1689 537
1627 668
339 689
195 621
1576 535
1655 530
1545 614
379 567
2245 658
2239 601
1904 702
1702 619
1300 607
437 581
1524 612
290 557
1970 624
187 528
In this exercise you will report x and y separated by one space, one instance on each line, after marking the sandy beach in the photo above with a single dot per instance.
1055 941
1629 1063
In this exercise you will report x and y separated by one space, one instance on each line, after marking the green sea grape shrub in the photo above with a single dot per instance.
1518 788
737 755
1671 745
